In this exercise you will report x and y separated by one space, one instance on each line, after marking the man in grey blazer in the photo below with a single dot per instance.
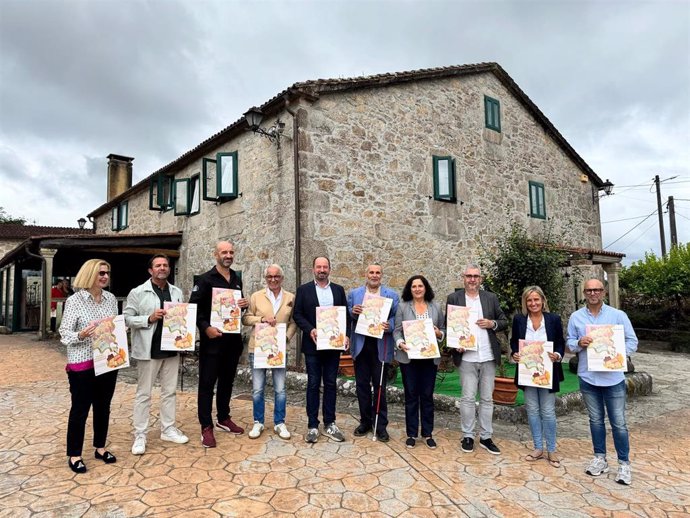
478 368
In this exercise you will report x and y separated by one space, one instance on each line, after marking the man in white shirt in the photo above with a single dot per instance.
478 368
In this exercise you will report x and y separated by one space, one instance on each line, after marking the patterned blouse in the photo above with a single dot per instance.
80 310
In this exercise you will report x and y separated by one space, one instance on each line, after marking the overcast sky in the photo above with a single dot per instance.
82 79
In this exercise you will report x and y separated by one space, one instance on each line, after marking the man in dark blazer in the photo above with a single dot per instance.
321 365
478 368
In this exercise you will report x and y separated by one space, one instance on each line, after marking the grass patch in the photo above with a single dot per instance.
448 383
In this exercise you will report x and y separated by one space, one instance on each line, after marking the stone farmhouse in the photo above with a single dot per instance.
416 170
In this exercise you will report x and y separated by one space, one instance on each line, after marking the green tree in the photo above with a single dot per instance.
6 218
518 261
666 278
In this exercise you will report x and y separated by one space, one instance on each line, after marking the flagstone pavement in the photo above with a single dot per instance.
271 477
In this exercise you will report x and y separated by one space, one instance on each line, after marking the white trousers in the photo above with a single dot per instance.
148 371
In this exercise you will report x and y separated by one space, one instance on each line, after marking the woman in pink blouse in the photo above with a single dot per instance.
90 302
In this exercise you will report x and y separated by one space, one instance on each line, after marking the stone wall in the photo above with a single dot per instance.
7 245
367 179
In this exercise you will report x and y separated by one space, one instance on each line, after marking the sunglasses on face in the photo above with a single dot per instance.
103 274
593 290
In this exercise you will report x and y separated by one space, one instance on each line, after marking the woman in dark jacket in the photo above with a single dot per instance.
419 376
536 323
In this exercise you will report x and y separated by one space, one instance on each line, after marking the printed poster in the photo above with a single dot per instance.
225 313
535 368
606 353
331 325
375 311
179 327
269 346
109 345
462 330
420 339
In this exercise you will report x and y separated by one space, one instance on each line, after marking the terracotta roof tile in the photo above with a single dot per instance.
16 231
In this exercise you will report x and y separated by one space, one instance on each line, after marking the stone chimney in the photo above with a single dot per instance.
119 175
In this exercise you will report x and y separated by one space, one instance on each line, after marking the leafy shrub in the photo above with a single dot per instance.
518 261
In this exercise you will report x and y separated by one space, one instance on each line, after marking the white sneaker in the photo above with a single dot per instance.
282 431
256 430
172 434
597 466
139 446
624 475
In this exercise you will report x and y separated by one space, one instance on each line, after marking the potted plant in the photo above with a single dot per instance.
505 390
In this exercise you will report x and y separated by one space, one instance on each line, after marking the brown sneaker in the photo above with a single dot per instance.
228 426
207 438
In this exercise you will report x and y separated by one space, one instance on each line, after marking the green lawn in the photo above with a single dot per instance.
449 383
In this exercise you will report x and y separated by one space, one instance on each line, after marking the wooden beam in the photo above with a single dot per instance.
141 251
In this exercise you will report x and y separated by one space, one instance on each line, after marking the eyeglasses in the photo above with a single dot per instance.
472 276
103 274
593 291
273 277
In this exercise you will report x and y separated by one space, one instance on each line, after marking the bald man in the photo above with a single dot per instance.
219 353
602 392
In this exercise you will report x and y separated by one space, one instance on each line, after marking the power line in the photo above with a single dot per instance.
628 232
617 220
679 214
638 237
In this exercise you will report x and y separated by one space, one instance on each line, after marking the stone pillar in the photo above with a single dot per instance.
119 175
612 270
44 323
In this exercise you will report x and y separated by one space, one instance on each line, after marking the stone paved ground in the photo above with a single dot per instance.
271 477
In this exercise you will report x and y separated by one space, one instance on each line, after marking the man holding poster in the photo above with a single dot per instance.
271 306
219 351
478 368
602 390
144 316
372 351
322 365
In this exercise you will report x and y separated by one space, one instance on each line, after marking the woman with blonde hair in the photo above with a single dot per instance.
90 303
536 323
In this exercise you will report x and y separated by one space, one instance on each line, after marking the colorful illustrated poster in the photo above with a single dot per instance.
420 339
606 353
109 345
179 327
331 325
225 313
375 311
269 346
462 328
535 368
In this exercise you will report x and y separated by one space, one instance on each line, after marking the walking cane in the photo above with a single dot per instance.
378 398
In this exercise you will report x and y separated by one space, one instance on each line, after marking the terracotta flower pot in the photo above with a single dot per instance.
347 365
505 391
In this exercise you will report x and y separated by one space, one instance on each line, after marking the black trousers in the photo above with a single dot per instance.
217 363
368 375
419 378
88 390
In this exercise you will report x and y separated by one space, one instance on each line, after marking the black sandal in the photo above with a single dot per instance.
77 466
106 457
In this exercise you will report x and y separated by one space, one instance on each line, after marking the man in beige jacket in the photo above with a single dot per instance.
271 305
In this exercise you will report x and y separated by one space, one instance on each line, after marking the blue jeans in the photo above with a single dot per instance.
323 365
279 399
541 416
612 399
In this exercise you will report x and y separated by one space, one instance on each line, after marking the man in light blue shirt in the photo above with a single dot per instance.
602 389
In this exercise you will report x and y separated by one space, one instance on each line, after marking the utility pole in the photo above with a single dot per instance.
672 222
661 216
